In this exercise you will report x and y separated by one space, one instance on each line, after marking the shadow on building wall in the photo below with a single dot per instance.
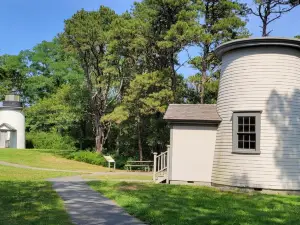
284 114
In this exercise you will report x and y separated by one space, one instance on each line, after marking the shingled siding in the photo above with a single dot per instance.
266 79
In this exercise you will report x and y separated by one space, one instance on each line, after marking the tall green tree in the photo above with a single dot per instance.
12 74
49 67
219 21
141 101
168 27
87 35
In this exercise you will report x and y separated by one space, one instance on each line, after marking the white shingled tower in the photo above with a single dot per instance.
12 122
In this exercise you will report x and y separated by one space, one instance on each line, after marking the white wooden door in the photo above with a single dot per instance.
3 138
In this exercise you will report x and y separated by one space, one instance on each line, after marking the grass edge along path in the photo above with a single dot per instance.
188 205
31 203
26 199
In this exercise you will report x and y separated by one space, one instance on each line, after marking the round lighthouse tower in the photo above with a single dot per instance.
12 122
258 140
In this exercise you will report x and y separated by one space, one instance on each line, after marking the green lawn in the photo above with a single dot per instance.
30 203
182 205
26 199
8 173
112 176
41 159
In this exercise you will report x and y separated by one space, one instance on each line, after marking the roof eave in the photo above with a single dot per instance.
256 42
196 122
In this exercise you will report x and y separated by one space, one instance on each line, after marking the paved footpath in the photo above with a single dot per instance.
88 207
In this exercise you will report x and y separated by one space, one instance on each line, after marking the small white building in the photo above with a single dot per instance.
251 138
12 123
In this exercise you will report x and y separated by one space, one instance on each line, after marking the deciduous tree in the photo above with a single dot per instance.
87 34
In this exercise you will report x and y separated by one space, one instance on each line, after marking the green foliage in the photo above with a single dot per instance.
43 158
12 74
62 110
107 79
219 22
50 68
87 157
49 140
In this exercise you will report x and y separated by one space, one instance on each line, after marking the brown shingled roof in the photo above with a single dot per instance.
192 112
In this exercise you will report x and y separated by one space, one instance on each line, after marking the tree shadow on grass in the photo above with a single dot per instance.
169 204
34 203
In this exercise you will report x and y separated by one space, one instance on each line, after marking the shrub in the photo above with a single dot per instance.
87 157
49 140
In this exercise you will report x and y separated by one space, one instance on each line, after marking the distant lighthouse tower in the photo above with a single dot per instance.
12 122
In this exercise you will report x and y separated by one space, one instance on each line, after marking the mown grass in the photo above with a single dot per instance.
8 173
26 199
189 205
112 176
43 159
30 203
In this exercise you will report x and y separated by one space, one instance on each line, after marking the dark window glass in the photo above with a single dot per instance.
241 128
240 120
246 137
252 145
240 144
252 137
246 120
246 132
246 128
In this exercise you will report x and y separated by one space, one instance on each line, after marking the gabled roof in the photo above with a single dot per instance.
7 126
192 113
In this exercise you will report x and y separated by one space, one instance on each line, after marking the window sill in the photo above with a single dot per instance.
245 152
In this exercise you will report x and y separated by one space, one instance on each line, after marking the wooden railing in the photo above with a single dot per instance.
160 166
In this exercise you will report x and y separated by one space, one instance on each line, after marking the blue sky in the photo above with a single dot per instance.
24 23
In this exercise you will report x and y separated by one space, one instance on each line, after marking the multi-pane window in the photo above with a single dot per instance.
246 132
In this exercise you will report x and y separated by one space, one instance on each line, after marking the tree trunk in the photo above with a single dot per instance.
203 80
174 79
264 29
204 72
118 142
139 130
265 19
99 134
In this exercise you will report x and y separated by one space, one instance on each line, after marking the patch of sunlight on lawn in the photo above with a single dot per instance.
37 158
187 205
8 173
112 176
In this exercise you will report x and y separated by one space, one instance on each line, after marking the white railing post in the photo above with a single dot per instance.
154 166
168 163
161 162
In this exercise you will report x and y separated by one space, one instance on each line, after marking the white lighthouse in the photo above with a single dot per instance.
12 122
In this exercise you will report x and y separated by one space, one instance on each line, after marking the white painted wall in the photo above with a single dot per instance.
16 119
192 152
268 79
